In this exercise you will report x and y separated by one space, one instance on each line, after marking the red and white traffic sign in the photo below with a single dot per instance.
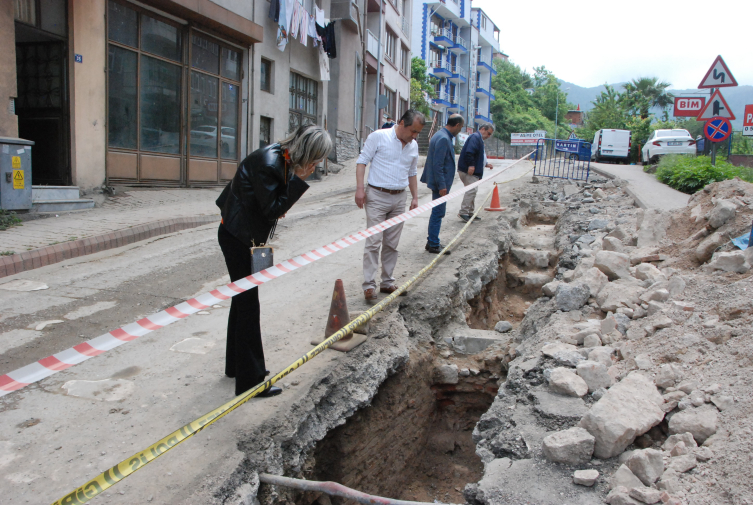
718 76
748 121
717 129
689 106
717 107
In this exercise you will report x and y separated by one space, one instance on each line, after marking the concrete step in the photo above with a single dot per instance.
48 193
534 239
62 205
533 257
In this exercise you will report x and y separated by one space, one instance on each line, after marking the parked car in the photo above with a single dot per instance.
663 142
611 145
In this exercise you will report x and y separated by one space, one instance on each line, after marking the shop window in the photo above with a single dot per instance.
205 54
159 94
266 75
123 24
160 38
122 99
230 64
265 131
47 15
302 101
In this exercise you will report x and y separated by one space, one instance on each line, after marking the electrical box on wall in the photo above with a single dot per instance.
15 173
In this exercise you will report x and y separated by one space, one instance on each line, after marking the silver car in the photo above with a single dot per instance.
663 142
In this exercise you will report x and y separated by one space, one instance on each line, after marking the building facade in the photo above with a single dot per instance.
458 43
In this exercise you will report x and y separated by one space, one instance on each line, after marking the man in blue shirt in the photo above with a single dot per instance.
471 167
439 172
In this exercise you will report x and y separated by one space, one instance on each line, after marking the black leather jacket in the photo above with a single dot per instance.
260 193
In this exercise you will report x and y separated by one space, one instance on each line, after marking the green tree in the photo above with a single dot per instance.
646 92
421 86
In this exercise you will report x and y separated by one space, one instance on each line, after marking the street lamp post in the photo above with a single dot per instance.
556 112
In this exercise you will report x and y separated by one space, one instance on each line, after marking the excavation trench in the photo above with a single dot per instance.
413 440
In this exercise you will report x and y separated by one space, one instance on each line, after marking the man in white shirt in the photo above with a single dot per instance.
393 154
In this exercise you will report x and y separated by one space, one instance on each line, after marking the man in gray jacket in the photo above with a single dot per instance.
438 175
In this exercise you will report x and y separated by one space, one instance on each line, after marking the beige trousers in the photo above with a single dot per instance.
469 198
381 206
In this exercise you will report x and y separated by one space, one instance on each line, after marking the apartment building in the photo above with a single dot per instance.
387 59
458 43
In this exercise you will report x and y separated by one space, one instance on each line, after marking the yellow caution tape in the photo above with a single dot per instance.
112 476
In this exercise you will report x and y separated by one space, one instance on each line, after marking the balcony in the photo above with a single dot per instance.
441 69
482 90
442 37
478 116
443 98
372 44
455 105
405 26
457 74
459 46
485 65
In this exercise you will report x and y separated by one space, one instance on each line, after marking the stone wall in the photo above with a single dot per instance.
346 146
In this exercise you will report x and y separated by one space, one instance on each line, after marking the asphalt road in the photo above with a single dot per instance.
58 433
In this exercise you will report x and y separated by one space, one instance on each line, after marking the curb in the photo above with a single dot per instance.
37 258
638 201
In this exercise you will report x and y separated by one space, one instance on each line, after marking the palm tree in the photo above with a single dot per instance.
652 90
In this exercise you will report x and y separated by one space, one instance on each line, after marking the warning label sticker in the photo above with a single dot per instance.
16 160
18 179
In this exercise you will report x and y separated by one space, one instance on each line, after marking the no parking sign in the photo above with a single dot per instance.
717 129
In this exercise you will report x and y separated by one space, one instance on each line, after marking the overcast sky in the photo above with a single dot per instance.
590 42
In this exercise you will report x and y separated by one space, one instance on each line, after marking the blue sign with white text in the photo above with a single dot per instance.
568 146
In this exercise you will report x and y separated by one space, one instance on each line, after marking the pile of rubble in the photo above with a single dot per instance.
626 381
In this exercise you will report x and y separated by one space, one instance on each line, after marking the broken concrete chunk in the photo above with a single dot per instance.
619 233
594 279
571 296
735 261
703 453
564 381
680 449
503 326
568 358
722 402
706 248
551 349
668 375
618 294
635 332
594 374
662 322
701 423
592 340
613 244
723 211
446 374
652 227
647 465
646 495
623 477
550 288
613 264
598 224
573 446
697 398
585 477
629 409
603 355
682 464
655 295
648 272
688 386
676 286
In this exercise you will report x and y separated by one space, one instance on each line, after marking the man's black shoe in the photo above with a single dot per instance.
464 217
435 250
477 218
272 391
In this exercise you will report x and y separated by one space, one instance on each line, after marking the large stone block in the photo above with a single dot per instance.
701 423
706 248
571 296
613 264
723 211
564 381
652 227
647 465
573 446
619 294
594 279
629 409
594 375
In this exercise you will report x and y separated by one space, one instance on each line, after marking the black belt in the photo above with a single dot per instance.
390 191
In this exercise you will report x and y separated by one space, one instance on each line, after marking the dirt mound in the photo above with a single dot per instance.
690 225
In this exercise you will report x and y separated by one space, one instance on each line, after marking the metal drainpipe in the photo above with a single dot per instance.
379 69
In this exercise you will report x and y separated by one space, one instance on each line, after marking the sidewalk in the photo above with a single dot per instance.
644 188
133 215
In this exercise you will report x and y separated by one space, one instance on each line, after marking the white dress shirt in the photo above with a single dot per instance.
391 163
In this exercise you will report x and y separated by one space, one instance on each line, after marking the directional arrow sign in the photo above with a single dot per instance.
717 107
718 76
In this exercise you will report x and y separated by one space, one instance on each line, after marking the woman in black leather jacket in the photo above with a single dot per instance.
267 184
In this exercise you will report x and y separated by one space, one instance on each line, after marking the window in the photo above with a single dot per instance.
436 25
404 60
403 108
483 22
390 46
302 101
266 75
391 99
47 15
265 131
435 57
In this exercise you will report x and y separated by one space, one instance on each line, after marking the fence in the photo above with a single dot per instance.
562 159
499 149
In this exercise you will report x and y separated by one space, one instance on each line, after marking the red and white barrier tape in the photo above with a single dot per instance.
43 368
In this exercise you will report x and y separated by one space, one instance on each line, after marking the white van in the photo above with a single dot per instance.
611 145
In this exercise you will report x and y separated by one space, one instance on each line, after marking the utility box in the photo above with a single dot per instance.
15 173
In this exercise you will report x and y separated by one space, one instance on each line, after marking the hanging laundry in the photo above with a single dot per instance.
304 30
274 10
323 64
282 28
328 38
289 8
320 16
295 21
312 28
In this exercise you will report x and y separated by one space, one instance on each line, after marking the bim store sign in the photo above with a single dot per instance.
689 106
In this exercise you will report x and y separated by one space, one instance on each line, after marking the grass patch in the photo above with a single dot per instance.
688 174
7 253
8 219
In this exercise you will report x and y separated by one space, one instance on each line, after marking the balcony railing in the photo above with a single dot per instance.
457 71
443 95
404 25
372 44
486 60
460 41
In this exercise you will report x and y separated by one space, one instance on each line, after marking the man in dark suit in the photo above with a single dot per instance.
439 172
471 166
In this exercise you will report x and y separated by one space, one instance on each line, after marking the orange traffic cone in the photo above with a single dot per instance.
339 317
495 201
